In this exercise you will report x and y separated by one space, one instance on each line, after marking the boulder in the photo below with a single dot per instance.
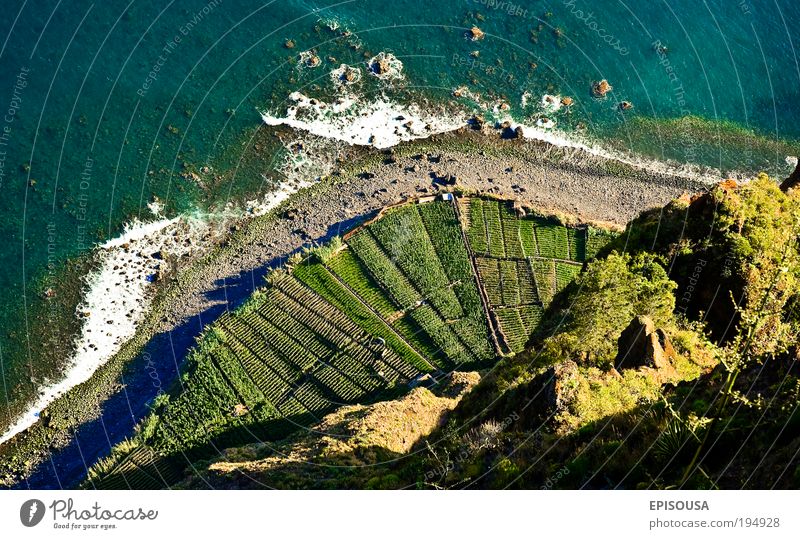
642 345
519 209
380 65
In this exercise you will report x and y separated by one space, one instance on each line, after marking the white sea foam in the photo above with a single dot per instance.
379 123
118 294
345 75
563 140
385 66
525 99
156 207
545 123
309 59
551 103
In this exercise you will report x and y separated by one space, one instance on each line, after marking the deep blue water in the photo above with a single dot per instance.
92 137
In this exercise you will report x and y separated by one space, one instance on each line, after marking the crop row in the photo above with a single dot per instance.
444 231
311 398
511 233
322 281
445 234
494 229
352 272
324 368
476 233
271 369
514 331
202 409
404 238
490 277
425 317
527 237
340 388
565 273
442 334
545 274
530 315
415 334
552 240
257 332
142 469
308 301
474 333
577 243
508 282
527 284
595 241
383 270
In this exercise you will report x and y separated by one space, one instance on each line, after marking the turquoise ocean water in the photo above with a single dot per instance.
106 104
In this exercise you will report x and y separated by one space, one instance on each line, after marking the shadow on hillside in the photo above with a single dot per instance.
362 468
644 447
151 372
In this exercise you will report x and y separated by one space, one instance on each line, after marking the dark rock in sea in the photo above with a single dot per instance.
380 66
475 33
601 88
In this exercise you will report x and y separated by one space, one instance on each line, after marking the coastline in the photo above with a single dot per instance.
547 177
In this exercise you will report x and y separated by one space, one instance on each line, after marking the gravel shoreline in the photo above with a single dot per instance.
553 180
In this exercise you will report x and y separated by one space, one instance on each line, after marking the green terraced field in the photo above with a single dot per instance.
404 295
523 263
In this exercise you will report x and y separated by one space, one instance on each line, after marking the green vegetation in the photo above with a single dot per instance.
353 321
574 414
318 278
612 292
698 407
524 265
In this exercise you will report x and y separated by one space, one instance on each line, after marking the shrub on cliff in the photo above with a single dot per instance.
610 293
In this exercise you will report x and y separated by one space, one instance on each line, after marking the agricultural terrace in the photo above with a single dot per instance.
522 262
426 287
